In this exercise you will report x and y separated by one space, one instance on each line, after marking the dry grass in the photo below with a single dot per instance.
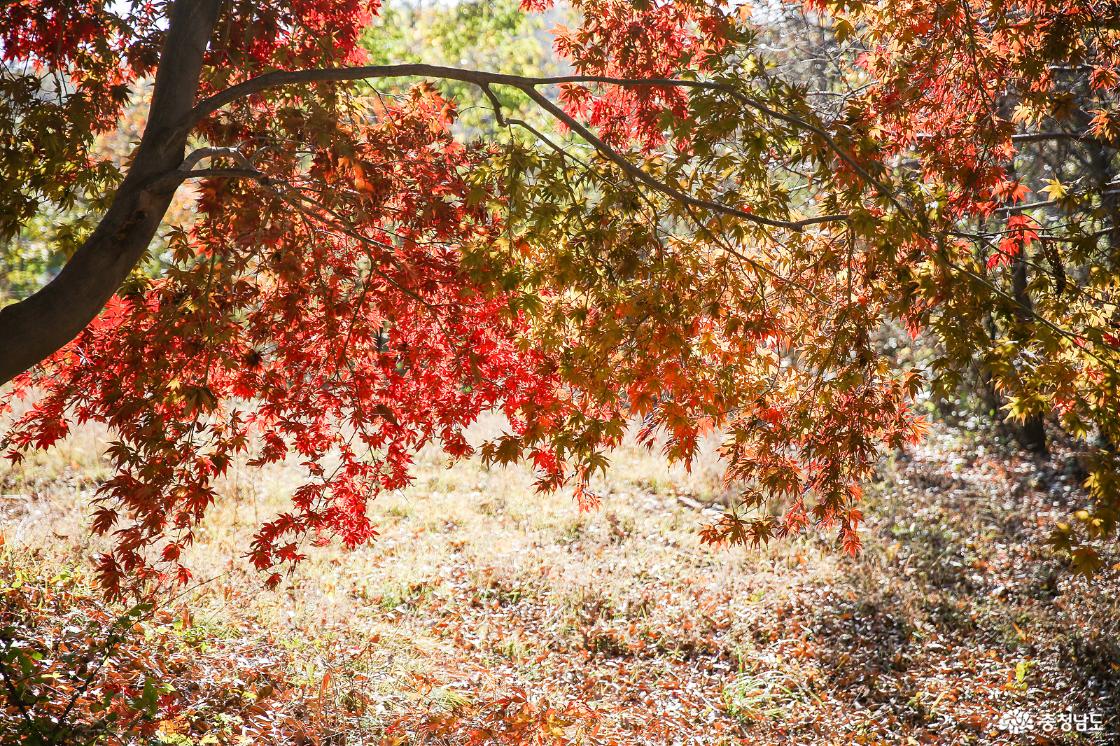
479 590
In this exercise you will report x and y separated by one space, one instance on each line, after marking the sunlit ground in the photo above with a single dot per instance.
483 603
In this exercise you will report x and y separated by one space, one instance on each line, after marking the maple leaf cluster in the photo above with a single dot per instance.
709 248
282 329
987 103
279 332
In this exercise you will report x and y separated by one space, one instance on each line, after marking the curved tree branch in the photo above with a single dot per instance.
485 79
479 78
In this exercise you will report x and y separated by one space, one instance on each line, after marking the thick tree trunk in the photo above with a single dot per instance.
36 327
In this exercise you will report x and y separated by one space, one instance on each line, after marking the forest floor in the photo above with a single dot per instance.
486 611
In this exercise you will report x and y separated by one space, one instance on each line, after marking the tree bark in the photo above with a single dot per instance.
1031 433
36 327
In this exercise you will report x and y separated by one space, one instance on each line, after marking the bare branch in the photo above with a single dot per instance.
485 79
186 170
226 173
1081 137
419 70
196 156
631 170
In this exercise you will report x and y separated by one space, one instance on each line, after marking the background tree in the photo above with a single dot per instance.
476 35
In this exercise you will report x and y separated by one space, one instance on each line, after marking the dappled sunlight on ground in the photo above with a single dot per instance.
483 603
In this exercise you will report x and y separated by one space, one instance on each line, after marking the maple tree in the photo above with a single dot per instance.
696 240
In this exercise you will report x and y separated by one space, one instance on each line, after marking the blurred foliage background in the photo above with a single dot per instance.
480 35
